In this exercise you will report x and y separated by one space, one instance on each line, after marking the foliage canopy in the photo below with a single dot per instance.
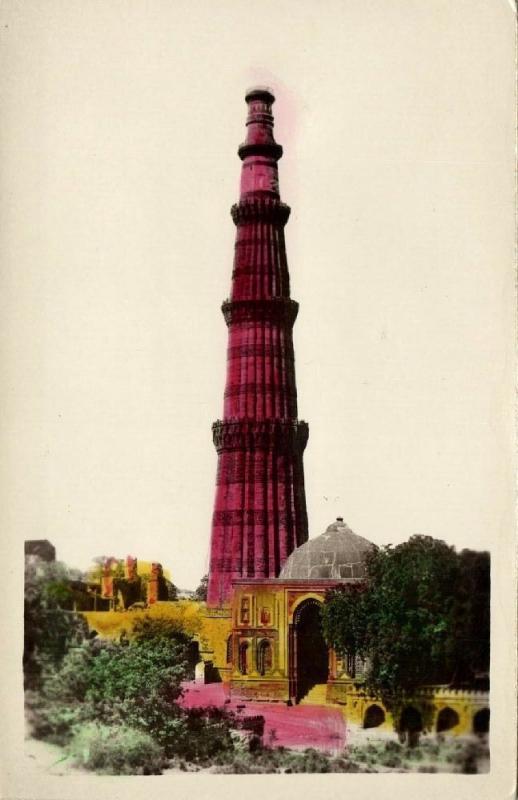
421 617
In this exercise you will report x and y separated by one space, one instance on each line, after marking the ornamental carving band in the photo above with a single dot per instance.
285 436
276 309
265 209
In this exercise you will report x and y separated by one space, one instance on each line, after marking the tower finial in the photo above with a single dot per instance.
259 152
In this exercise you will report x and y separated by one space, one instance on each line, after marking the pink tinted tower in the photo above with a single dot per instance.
260 507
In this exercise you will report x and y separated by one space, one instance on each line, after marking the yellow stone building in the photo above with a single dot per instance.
267 645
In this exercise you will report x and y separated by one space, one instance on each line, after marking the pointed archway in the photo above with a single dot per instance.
309 656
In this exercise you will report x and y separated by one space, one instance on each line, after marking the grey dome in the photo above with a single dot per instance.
337 553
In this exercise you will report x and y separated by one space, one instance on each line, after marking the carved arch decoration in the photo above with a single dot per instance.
310 598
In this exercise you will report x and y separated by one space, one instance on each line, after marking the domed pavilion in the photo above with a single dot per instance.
338 553
276 650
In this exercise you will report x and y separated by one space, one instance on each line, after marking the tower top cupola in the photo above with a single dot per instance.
259 152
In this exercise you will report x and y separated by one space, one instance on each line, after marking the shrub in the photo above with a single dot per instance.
390 760
50 627
431 748
340 764
392 746
116 750
52 721
310 761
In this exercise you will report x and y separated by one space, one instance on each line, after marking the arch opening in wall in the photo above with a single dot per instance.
374 717
311 650
243 658
447 719
481 721
264 657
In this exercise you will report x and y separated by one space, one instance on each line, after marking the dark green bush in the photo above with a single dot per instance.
132 685
50 626
310 761
267 760
340 764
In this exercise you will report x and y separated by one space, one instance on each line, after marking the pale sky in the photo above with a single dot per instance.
119 167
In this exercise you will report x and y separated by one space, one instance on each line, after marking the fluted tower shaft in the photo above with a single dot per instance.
260 507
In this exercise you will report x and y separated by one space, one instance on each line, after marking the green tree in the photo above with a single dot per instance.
201 592
406 620
50 626
472 618
345 619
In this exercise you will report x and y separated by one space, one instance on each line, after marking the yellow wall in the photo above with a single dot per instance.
110 624
211 631
354 703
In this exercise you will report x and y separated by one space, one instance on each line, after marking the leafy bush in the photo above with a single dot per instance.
265 760
128 685
391 746
340 764
50 627
390 760
116 750
52 721
310 761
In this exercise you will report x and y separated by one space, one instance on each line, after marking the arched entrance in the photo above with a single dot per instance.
374 717
446 720
309 654
481 722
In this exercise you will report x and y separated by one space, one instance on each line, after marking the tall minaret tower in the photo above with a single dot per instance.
260 508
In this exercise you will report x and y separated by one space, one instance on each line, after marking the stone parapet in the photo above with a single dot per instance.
288 436
279 310
264 209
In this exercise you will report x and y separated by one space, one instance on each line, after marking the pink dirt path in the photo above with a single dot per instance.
296 727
